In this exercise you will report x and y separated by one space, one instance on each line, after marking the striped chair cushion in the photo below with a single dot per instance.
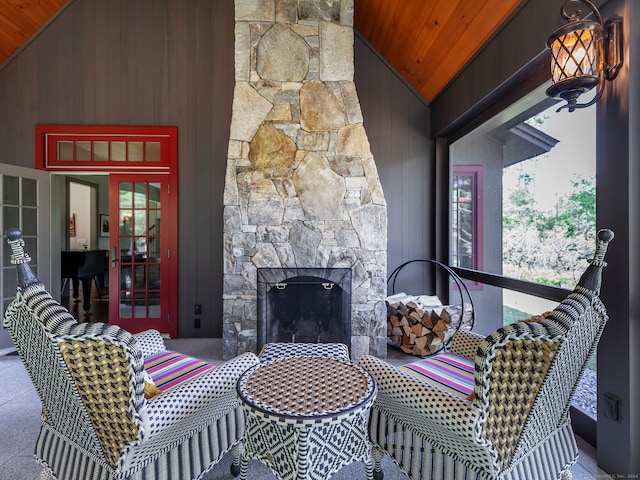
168 369
447 371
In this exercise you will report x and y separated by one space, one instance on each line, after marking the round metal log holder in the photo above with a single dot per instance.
463 291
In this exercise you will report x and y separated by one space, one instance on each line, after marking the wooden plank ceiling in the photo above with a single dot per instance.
429 41
20 20
426 41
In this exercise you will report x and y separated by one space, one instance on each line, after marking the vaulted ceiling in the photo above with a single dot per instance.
20 20
427 41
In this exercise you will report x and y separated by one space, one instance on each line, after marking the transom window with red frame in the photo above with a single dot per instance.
121 149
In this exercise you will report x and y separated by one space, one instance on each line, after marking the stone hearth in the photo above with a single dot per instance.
302 188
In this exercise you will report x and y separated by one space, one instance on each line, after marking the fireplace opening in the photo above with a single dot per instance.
304 305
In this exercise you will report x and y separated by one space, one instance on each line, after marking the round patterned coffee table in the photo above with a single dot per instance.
307 416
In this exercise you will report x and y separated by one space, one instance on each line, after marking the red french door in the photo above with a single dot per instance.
142 266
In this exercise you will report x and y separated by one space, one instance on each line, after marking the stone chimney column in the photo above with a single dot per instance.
301 188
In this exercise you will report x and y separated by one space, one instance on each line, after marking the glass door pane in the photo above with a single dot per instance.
22 191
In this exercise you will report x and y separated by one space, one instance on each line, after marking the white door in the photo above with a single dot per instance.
25 202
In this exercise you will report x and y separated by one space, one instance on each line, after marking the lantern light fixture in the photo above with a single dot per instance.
584 54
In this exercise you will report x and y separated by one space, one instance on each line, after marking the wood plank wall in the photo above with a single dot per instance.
170 62
397 122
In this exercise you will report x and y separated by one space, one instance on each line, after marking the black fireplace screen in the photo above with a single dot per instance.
304 305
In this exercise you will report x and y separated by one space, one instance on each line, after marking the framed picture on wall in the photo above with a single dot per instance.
104 225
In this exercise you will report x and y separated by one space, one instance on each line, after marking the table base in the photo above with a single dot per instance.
304 452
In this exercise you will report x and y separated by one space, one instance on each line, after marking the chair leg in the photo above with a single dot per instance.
45 474
377 453
244 466
368 465
236 453
566 475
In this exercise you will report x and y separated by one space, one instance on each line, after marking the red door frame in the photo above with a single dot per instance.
47 138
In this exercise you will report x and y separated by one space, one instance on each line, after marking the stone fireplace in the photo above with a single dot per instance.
301 189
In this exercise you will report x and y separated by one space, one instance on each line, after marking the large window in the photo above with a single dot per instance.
549 202
534 170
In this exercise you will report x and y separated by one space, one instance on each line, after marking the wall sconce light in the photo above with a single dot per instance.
584 54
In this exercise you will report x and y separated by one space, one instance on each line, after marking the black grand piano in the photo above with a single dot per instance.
84 266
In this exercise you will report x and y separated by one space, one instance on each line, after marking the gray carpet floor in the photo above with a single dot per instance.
20 418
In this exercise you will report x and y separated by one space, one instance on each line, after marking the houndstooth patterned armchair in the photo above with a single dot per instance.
97 421
495 407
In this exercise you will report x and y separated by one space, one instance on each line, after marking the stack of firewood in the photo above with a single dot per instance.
416 330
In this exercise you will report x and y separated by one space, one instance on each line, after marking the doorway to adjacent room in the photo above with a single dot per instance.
138 223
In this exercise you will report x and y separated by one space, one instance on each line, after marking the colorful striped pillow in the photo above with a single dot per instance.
447 371
168 369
